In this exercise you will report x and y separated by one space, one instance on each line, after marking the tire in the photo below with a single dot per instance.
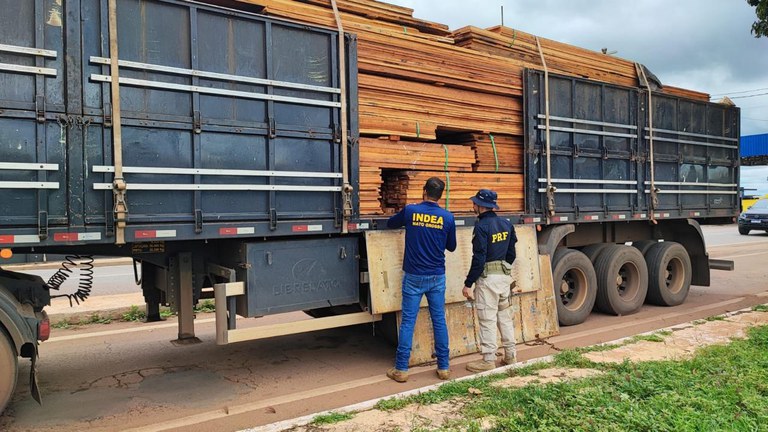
592 251
8 370
669 274
622 280
744 231
575 286
644 245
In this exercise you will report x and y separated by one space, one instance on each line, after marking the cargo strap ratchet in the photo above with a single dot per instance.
550 188
118 183
347 188
654 191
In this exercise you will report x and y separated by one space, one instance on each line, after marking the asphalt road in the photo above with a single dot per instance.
129 376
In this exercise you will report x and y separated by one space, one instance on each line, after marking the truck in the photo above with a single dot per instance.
218 148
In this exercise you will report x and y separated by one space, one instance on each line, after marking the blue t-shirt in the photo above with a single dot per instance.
429 231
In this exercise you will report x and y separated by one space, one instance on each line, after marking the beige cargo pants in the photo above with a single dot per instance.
492 302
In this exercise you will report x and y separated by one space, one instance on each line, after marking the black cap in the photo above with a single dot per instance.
485 198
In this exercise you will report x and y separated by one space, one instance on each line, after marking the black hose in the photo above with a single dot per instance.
85 263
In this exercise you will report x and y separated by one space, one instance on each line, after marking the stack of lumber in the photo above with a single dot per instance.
406 187
416 110
489 149
369 189
560 57
380 153
419 82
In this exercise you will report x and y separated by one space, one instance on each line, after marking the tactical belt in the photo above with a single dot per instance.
497 267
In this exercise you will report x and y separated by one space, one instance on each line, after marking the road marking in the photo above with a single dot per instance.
121 331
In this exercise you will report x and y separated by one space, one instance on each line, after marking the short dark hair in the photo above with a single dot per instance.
434 188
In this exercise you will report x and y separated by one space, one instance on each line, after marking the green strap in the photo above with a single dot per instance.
418 130
495 154
514 36
447 179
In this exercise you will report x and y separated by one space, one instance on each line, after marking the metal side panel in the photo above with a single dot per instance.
284 276
385 263
227 116
593 144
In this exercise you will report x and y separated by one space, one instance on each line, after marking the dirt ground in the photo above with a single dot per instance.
679 342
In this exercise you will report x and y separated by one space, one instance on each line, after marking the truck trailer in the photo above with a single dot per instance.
220 149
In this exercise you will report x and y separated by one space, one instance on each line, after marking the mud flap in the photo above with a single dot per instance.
33 387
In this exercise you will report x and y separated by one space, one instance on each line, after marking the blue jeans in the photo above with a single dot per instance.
414 287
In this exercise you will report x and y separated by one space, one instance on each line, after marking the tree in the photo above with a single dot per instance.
760 27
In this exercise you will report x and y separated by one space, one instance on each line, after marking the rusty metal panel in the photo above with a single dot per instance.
385 261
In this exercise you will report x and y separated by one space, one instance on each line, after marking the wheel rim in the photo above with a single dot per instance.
573 289
628 281
674 275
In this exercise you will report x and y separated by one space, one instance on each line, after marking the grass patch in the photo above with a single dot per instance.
715 318
655 337
647 338
134 314
206 306
722 388
760 308
331 418
94 318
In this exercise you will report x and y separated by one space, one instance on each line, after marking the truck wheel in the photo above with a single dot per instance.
669 274
644 245
743 231
593 250
575 286
622 280
7 370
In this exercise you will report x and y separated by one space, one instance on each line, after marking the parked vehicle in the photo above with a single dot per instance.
754 218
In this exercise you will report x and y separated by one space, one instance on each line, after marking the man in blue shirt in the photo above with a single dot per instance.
429 231
493 252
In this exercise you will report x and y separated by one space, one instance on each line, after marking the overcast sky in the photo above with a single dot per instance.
703 45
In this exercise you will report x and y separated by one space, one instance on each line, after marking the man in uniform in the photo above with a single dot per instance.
493 252
429 231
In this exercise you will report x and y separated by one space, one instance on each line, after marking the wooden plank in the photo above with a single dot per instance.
462 333
282 329
534 314
385 262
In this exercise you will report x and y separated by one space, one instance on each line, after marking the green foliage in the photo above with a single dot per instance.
134 314
722 388
206 306
330 418
760 27
760 308
94 318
